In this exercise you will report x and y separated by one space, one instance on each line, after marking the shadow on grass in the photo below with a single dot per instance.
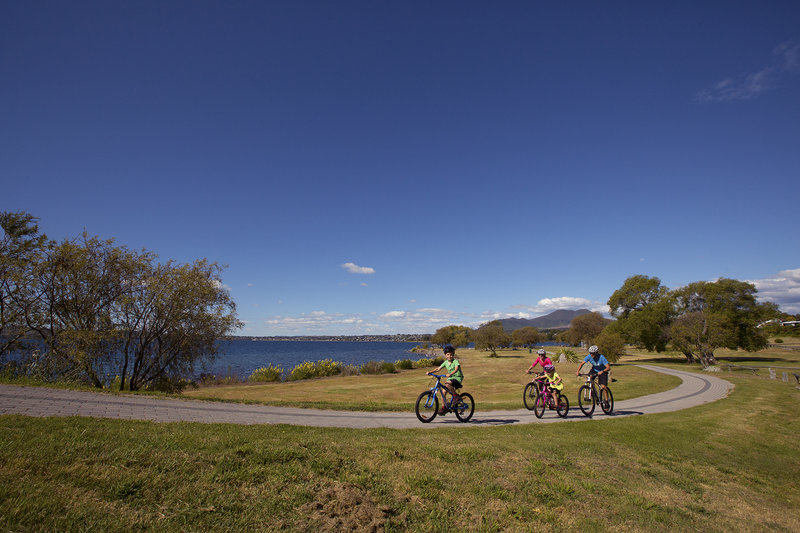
493 421
756 359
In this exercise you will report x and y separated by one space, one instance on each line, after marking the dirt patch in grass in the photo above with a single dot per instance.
345 507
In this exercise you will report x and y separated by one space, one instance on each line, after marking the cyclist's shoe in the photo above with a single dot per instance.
442 411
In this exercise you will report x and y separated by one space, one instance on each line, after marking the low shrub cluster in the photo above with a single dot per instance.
319 369
266 374
349 370
424 362
405 364
377 367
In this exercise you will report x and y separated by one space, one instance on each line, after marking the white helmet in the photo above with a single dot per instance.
542 352
593 349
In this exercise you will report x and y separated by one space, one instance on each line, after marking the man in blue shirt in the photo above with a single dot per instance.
600 365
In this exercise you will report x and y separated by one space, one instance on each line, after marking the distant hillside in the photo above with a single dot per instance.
556 320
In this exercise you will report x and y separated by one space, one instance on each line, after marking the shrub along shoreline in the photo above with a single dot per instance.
328 367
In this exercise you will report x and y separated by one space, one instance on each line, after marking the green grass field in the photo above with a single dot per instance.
732 465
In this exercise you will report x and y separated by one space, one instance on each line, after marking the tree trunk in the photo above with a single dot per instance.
690 358
709 359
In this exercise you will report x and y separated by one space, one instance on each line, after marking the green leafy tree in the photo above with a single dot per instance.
104 308
696 319
79 282
611 344
458 336
584 328
491 336
718 314
172 320
526 336
21 246
644 310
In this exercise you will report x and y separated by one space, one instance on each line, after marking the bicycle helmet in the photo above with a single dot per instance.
549 368
542 352
449 349
593 349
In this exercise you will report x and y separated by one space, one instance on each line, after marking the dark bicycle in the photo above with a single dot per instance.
427 406
531 390
589 396
538 397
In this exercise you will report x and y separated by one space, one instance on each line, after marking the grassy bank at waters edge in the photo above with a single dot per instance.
731 465
494 382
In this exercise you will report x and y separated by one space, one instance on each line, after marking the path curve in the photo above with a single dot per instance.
696 389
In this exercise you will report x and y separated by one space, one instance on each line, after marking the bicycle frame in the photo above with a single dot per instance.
442 390
544 398
597 395
462 404
544 388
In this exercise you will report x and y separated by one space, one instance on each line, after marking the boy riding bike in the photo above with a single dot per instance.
454 375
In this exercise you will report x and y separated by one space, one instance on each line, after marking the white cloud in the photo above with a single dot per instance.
363 284
783 289
785 60
421 320
548 305
316 322
355 269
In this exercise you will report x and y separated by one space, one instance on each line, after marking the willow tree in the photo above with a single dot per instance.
104 311
20 248
172 320
79 283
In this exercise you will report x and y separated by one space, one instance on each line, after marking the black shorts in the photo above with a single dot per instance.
602 379
456 384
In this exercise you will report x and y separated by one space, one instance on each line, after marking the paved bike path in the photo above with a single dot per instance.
696 389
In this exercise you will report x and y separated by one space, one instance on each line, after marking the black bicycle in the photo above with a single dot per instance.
427 406
538 397
589 396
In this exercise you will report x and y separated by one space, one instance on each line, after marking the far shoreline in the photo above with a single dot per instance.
400 337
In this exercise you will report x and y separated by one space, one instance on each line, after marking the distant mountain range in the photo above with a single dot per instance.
556 320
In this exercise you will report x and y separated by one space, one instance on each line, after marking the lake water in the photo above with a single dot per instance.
241 357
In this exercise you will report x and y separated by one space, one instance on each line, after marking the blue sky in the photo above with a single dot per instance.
376 167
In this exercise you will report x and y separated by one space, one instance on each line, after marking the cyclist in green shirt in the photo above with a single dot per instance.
454 375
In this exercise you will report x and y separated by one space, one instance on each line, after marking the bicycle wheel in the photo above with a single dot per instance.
586 400
529 395
563 406
606 400
539 404
465 407
427 406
